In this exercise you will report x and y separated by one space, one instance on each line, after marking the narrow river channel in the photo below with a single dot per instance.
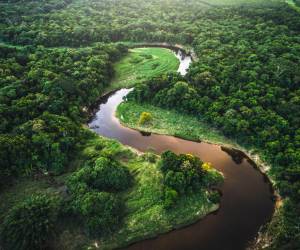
246 203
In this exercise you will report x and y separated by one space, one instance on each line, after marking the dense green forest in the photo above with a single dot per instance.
56 60
43 95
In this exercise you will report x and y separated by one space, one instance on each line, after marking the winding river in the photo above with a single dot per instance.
247 200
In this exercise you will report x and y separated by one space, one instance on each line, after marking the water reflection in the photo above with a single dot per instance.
185 61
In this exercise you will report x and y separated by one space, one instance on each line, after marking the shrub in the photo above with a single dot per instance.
110 175
207 166
175 180
145 117
30 223
150 157
101 211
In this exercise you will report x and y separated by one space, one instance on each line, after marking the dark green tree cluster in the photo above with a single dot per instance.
30 224
44 95
94 195
168 91
182 173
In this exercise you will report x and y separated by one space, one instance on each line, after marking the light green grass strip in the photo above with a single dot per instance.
169 122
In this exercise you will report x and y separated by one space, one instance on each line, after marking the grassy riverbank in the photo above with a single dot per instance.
140 64
169 122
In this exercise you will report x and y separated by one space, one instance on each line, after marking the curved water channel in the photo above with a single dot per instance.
247 197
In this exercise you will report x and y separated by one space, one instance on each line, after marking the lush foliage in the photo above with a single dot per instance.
182 174
90 187
43 94
100 211
30 224
103 175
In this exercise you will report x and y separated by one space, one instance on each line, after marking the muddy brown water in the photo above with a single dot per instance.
247 198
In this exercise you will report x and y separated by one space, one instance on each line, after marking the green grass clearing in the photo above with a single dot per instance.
168 122
141 64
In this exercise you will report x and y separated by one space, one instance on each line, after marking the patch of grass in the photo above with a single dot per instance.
168 122
141 64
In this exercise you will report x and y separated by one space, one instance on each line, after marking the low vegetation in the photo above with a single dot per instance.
145 118
169 122
142 63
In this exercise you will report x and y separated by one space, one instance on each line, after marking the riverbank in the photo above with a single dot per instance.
186 49
146 216
171 122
